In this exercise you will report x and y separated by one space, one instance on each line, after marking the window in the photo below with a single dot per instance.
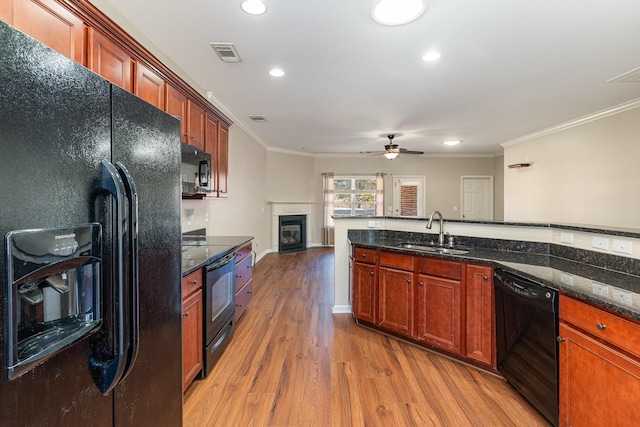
354 196
350 195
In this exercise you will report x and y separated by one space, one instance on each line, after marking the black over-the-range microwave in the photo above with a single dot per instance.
195 170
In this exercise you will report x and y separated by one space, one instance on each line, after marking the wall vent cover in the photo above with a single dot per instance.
258 118
632 76
226 51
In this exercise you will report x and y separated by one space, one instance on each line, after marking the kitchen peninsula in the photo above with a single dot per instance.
404 285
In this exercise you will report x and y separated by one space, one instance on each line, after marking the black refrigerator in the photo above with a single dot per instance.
90 267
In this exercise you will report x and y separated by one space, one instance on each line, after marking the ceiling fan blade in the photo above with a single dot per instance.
405 151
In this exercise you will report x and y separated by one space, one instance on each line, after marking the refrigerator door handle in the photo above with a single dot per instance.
134 283
107 370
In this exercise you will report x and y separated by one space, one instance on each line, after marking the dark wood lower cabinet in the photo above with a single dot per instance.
364 301
191 337
395 308
440 303
599 367
479 316
439 312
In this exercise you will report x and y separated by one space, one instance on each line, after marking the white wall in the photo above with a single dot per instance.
587 174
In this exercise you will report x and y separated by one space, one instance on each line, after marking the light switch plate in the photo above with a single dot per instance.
566 238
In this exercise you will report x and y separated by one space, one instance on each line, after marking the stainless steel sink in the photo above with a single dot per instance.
433 249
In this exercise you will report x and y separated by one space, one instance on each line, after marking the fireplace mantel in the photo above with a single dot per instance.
289 208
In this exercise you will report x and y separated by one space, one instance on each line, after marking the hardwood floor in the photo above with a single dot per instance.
294 363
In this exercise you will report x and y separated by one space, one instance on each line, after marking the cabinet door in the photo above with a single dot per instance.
51 24
149 86
195 124
439 312
6 11
479 333
176 105
599 386
222 164
396 300
191 337
211 147
364 302
110 60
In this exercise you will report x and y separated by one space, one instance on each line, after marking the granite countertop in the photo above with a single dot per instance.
198 251
616 291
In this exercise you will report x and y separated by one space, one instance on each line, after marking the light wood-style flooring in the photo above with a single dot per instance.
294 363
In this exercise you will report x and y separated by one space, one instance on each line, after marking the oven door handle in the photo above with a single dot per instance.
222 262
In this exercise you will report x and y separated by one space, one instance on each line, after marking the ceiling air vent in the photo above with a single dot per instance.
258 118
226 51
632 76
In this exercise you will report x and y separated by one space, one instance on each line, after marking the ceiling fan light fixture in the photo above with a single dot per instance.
391 151
253 7
391 155
397 12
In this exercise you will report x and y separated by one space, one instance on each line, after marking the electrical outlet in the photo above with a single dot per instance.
600 289
621 296
373 224
257 243
566 279
622 246
600 243
566 238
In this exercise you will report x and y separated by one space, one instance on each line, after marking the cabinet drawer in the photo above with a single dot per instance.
243 272
191 282
364 255
441 268
621 332
243 298
243 252
396 260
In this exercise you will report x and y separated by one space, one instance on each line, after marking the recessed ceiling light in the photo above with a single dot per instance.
432 56
397 12
276 72
253 7
452 142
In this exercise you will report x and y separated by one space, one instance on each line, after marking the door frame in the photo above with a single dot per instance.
488 177
396 194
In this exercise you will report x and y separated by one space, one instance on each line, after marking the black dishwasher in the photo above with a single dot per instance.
526 340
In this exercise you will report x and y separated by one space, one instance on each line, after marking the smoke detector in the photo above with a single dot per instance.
257 118
226 51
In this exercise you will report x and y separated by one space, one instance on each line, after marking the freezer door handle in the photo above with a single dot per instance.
107 366
133 279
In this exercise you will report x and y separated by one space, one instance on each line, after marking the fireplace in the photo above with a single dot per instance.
292 232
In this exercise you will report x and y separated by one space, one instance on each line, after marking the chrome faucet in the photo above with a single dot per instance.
441 235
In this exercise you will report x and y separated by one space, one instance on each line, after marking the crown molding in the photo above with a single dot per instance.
236 120
635 103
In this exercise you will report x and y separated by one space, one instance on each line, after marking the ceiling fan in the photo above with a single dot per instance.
392 150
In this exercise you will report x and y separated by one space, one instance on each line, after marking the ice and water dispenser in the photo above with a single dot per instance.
53 291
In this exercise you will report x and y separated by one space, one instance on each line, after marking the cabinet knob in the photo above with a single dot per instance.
186 314
191 137
194 282
364 255
408 281
601 326
420 284
560 339
371 273
485 278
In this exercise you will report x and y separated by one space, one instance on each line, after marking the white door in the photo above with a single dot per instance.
477 197
408 196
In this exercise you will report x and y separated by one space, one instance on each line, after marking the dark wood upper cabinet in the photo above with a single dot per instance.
176 105
222 170
149 86
195 124
110 60
50 23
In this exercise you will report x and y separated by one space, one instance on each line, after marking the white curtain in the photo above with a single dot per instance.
380 194
328 223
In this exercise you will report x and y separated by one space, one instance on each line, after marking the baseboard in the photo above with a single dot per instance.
341 309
